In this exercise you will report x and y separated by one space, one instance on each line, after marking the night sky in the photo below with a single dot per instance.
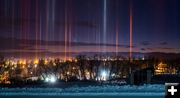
68 26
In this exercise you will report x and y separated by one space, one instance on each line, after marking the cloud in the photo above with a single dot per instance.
149 48
27 44
166 48
145 43
143 49
163 43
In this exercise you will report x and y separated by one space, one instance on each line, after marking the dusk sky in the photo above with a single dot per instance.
58 26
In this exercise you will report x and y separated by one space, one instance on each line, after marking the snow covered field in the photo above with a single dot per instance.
106 91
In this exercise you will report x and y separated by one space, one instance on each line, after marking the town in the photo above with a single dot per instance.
83 68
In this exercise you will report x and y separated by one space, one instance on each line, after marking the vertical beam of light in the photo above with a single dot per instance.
59 45
47 25
53 18
88 30
98 36
40 32
22 23
25 24
117 42
69 49
98 33
130 26
28 16
12 27
117 25
36 29
104 23
69 29
65 31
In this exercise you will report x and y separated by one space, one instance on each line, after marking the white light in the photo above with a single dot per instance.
143 58
104 74
52 79
35 65
47 79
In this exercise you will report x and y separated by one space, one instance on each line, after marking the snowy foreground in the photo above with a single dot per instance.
106 91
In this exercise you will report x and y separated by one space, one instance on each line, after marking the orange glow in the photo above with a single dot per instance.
75 60
45 61
22 62
36 61
70 59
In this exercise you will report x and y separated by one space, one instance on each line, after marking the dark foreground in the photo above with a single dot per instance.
97 96
105 91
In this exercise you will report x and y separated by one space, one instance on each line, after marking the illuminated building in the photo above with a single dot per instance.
163 68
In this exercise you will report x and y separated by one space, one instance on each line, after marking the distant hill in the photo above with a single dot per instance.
90 54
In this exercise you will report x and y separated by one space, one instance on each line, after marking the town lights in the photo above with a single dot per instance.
36 61
50 79
46 62
47 79
35 65
23 62
104 75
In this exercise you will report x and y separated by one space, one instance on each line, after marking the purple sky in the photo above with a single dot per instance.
51 26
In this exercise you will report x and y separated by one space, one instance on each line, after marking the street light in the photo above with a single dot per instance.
103 75
50 79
